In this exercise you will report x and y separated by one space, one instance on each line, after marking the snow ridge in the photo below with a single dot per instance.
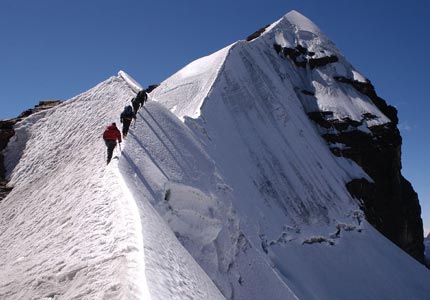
70 228
224 188
278 177
134 85
60 225
196 79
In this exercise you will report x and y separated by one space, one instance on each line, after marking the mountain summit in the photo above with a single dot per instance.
258 172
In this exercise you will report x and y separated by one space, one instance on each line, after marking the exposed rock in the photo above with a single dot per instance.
4 190
302 57
390 204
368 89
369 116
7 131
294 55
309 93
322 61
325 119
320 117
318 240
257 33
151 87
43 105
302 49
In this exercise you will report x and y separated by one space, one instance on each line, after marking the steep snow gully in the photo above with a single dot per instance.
223 189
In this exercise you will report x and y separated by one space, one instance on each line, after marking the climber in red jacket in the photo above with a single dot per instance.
110 136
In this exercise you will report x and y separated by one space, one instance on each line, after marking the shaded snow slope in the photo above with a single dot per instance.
196 80
293 217
70 229
224 189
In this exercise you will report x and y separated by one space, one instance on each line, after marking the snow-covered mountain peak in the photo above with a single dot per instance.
301 54
223 188
294 29
301 22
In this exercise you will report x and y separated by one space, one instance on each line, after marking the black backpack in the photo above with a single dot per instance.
141 97
128 111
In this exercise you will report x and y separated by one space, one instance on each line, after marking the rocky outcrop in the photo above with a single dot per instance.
390 204
302 57
43 105
151 87
7 131
256 34
368 89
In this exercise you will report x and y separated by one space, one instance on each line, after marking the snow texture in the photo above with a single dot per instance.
133 84
224 189
70 228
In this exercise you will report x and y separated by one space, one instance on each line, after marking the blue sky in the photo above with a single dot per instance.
56 49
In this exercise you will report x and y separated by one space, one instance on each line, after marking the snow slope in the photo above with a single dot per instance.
295 219
196 80
70 228
224 189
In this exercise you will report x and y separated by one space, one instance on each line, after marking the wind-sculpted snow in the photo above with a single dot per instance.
295 30
173 170
281 184
70 228
67 230
224 188
133 84
196 80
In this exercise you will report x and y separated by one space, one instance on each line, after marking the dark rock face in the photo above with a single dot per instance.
7 131
151 87
321 62
368 89
256 34
39 107
390 203
302 57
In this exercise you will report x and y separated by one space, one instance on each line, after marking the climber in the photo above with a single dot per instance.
126 117
139 101
110 136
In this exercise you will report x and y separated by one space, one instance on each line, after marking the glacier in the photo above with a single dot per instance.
223 189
